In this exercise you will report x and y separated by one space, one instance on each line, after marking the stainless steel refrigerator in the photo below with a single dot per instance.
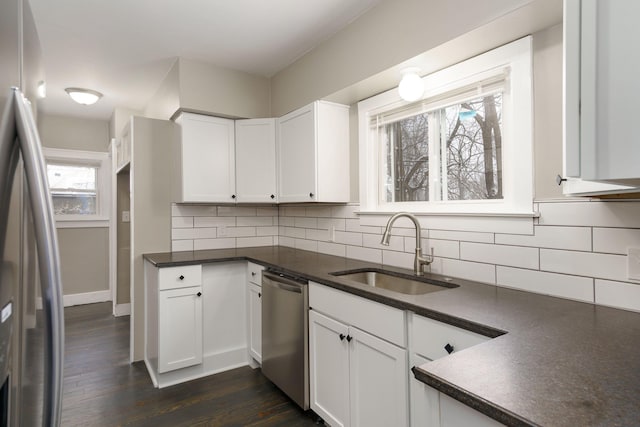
31 339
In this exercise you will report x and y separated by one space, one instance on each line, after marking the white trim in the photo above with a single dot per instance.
93 223
99 159
81 299
122 309
517 132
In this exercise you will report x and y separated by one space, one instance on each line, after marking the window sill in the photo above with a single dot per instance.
100 222
501 222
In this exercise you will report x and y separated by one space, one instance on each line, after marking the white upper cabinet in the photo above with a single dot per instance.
206 160
256 161
313 154
600 82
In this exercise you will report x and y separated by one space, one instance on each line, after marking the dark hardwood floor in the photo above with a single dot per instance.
101 388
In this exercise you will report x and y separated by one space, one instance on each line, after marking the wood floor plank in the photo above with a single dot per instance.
102 389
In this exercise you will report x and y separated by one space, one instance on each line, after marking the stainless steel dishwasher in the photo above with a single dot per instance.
285 339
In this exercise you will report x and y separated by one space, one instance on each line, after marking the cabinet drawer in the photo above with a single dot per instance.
180 277
378 319
254 273
429 338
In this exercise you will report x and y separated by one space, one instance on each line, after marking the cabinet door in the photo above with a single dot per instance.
297 156
425 401
456 414
598 97
180 328
378 382
256 160
208 159
255 322
329 369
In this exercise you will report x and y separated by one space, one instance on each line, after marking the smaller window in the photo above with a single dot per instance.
79 185
73 189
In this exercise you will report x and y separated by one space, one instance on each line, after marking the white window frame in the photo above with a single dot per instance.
517 147
102 162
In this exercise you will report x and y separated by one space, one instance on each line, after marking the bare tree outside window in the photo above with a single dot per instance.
471 152
408 159
473 149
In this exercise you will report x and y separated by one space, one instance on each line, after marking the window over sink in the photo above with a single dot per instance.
465 147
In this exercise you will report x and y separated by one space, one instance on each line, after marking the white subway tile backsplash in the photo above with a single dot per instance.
194 233
332 249
240 232
577 247
398 259
347 238
181 245
204 244
286 220
289 242
243 221
182 222
193 210
441 248
618 294
571 238
591 214
305 222
236 211
615 240
319 235
602 266
307 245
293 211
214 221
319 211
365 254
345 211
246 242
396 243
559 285
267 211
327 223
514 256
469 270
267 231
298 233
463 236
354 225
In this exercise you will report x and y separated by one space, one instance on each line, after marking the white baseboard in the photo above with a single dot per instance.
80 299
122 310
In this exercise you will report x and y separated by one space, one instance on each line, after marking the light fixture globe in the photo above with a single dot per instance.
411 87
83 96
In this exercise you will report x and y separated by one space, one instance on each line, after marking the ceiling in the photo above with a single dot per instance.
124 48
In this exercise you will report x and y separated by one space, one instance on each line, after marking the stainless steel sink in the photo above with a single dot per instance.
395 283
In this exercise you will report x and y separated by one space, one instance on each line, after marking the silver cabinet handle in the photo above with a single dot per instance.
18 131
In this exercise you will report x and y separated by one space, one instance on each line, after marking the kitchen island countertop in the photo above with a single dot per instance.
551 362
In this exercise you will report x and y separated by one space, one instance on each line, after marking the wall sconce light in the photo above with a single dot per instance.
83 96
411 87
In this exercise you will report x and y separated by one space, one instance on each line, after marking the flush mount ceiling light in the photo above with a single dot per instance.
83 96
411 86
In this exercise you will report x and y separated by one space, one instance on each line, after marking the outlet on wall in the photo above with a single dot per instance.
126 216
633 263
222 231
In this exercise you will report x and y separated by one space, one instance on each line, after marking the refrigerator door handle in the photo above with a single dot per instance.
48 256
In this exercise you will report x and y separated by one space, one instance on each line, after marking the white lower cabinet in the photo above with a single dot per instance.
425 401
456 414
356 377
180 327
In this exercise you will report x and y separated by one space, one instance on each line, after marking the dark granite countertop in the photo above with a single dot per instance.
551 362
